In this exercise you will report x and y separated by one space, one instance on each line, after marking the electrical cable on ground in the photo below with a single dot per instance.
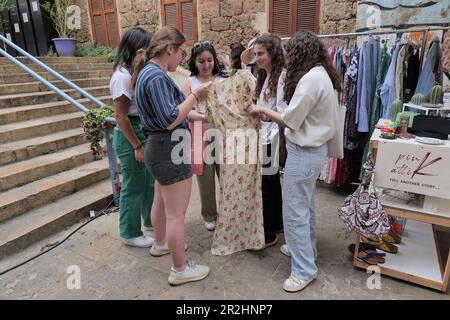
100 213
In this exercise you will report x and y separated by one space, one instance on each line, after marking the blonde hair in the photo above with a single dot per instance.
160 40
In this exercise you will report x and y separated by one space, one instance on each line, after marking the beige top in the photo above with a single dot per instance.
312 117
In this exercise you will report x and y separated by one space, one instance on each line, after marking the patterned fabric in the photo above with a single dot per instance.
240 217
446 52
157 98
351 135
362 211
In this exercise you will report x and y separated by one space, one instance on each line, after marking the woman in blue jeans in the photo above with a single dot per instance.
311 120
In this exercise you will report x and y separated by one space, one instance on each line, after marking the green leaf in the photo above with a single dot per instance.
93 122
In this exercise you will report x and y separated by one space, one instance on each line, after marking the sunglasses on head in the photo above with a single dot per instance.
205 43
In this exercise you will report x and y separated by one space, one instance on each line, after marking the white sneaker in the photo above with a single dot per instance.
141 242
285 250
210 226
292 284
192 272
160 250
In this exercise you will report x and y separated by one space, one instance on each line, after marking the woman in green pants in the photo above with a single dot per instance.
136 195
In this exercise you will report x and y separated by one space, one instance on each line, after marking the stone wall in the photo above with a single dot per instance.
338 16
84 35
227 21
142 13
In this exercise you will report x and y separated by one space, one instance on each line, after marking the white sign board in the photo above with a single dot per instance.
417 168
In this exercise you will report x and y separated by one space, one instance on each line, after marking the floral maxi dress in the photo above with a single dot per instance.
240 219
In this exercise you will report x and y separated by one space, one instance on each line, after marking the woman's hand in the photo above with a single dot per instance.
203 90
195 116
139 154
254 110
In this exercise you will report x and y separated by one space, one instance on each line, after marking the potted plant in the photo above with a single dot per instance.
57 10
4 6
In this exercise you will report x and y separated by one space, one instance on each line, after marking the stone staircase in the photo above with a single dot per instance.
48 177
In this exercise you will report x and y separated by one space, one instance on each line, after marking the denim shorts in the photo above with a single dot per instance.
158 159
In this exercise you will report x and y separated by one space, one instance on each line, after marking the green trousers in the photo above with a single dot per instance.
136 194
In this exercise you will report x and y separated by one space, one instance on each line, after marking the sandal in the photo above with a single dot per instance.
392 237
370 251
384 246
371 258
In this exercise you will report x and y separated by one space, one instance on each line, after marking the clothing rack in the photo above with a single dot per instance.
424 31
368 33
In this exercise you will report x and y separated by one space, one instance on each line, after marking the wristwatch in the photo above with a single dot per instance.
138 146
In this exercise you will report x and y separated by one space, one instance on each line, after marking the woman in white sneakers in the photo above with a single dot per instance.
311 120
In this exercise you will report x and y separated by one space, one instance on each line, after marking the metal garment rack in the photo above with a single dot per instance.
424 31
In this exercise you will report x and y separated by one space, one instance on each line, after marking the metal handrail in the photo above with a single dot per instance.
53 72
112 158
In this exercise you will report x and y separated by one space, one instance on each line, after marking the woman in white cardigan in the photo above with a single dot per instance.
311 120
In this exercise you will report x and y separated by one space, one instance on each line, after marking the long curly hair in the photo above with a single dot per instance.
304 52
274 47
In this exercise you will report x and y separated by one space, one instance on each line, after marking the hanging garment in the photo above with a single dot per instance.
399 72
431 69
369 63
239 223
446 52
382 69
412 73
387 90
350 97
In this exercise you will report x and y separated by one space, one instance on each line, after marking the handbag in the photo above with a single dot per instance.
362 211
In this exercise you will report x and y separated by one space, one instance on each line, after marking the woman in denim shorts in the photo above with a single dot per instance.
163 109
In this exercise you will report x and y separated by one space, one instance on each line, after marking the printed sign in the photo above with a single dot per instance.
422 169
16 27
35 6
25 17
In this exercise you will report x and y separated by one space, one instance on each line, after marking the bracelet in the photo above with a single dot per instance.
196 98
138 146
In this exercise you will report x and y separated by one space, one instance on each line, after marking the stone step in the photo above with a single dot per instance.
20 173
34 147
58 67
39 127
28 87
81 74
25 113
59 60
39 223
25 99
19 200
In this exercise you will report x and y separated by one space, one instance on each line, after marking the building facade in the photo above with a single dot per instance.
221 21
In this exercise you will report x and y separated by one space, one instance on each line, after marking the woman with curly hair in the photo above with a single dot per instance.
269 58
311 120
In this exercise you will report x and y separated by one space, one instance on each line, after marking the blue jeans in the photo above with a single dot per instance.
303 167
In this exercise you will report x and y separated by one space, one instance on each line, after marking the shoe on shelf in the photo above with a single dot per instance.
210 226
285 250
266 245
192 272
292 284
148 228
158 250
140 242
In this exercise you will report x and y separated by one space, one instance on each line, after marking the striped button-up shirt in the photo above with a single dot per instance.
157 98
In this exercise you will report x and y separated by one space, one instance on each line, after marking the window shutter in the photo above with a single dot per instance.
279 20
170 13
307 15
188 18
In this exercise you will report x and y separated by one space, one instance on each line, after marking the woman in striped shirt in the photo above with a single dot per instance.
163 109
